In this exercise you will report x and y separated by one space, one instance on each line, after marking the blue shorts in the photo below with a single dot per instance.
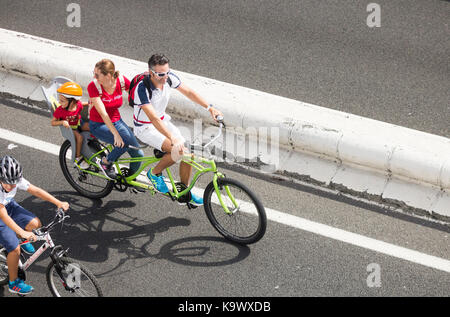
21 217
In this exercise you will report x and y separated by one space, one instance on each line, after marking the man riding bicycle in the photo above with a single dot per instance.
153 125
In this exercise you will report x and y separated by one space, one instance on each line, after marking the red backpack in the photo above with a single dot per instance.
136 80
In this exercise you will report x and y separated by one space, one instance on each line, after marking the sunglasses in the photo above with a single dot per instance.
161 75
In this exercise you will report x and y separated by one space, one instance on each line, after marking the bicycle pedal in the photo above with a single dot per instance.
191 206
171 196
137 190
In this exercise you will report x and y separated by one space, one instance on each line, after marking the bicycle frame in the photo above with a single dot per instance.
190 159
47 244
43 234
193 161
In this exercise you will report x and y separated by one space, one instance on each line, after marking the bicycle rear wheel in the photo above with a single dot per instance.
247 220
78 280
86 184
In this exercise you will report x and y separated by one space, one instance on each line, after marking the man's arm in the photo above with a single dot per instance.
195 97
192 95
42 194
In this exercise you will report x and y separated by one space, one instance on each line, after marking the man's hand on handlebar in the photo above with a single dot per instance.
215 113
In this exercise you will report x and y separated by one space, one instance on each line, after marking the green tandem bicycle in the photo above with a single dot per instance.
231 207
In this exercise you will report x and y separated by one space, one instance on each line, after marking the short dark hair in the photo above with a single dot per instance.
157 59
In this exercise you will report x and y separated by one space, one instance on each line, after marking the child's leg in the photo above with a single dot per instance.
12 260
79 142
9 240
34 223
84 126
24 219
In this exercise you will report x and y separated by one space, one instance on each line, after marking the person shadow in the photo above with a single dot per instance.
88 238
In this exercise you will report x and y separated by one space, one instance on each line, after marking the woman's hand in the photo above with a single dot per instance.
118 142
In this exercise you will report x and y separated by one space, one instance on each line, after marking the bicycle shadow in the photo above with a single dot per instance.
89 238
88 217
203 251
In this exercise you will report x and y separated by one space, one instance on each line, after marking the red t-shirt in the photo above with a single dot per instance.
73 117
112 102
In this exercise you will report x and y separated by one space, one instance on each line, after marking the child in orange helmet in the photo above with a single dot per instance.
68 114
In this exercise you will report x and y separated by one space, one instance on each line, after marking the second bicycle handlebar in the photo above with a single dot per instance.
59 217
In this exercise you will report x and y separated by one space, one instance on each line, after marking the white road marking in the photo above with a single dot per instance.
29 141
359 240
287 219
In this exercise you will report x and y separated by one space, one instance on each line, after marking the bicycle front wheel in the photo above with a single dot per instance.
245 222
86 184
77 280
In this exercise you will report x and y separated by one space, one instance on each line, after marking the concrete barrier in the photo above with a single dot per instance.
392 165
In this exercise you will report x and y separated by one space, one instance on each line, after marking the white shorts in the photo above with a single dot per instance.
149 135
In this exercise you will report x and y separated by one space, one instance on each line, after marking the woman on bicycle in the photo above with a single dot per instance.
105 122
16 220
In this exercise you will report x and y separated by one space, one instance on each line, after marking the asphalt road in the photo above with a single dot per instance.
140 245
320 52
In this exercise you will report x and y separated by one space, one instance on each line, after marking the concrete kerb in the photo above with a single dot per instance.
357 155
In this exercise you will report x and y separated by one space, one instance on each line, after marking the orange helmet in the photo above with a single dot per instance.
71 90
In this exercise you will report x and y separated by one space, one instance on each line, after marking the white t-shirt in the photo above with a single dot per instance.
159 100
5 198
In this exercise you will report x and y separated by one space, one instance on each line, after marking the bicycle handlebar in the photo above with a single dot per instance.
59 217
199 147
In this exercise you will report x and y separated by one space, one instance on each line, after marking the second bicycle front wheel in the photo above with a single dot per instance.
246 221
86 184
77 280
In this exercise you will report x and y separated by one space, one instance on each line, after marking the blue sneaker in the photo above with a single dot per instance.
195 200
28 248
158 182
19 287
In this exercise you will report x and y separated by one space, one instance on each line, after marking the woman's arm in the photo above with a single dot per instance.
100 107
